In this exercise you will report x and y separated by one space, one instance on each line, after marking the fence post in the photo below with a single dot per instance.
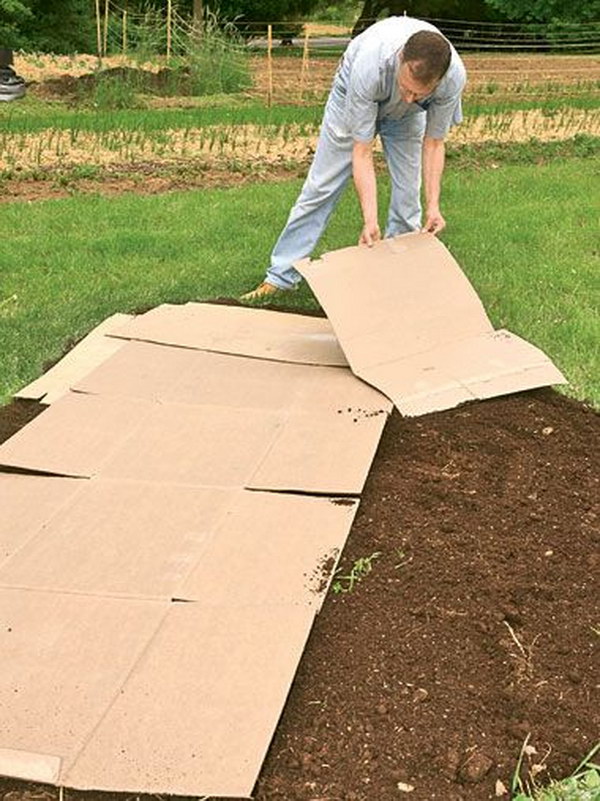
106 12
169 23
269 65
304 68
124 31
98 32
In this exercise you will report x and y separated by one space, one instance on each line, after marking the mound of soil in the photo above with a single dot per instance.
476 627
71 87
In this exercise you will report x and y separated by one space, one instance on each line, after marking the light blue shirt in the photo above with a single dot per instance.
368 75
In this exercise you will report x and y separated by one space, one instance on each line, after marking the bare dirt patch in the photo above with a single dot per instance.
476 626
501 76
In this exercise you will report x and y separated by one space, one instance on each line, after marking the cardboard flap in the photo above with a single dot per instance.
400 297
327 452
302 536
147 371
488 365
29 766
239 330
411 324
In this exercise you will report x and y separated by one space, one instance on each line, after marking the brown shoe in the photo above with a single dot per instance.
262 292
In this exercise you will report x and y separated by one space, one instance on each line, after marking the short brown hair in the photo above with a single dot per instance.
429 55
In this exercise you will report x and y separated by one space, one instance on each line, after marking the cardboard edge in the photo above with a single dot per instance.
28 765
42 388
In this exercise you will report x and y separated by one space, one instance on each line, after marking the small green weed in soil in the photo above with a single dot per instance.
361 568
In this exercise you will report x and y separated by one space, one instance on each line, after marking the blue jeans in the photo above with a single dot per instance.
328 175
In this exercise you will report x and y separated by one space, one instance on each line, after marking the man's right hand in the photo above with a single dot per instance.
369 235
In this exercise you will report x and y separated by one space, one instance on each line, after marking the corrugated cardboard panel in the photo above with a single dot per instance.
139 370
322 452
198 712
239 330
64 660
412 325
402 296
75 435
179 375
272 548
494 363
79 361
126 539
28 502
199 445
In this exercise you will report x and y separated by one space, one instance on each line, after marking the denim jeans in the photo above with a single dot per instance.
329 173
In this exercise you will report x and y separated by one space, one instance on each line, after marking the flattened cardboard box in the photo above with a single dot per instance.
215 696
149 371
411 324
327 450
159 542
239 330
111 556
28 503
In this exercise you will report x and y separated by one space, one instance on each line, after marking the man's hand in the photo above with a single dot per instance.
434 222
369 235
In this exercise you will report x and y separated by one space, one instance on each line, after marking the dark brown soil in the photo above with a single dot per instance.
76 88
476 627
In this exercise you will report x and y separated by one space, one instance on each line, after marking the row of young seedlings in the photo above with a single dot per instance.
67 146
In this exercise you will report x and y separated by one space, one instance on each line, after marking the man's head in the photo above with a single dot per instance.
423 63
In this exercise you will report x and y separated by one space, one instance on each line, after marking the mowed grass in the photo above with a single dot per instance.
525 235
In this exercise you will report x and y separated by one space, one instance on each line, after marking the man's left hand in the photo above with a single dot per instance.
434 222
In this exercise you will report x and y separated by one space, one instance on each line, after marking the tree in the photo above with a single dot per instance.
252 16
12 15
434 9
549 10
59 26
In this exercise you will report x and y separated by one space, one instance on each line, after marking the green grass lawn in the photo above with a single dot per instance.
525 235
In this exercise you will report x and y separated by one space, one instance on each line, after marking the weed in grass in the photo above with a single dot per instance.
582 785
361 568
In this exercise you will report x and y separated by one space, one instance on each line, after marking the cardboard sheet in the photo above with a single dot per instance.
91 351
323 453
325 450
199 710
120 539
27 503
272 549
75 435
412 325
491 364
242 331
149 371
162 542
64 660
207 446
157 576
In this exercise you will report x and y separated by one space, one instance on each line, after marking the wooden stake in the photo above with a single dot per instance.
304 68
99 31
169 23
106 12
270 65
124 31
